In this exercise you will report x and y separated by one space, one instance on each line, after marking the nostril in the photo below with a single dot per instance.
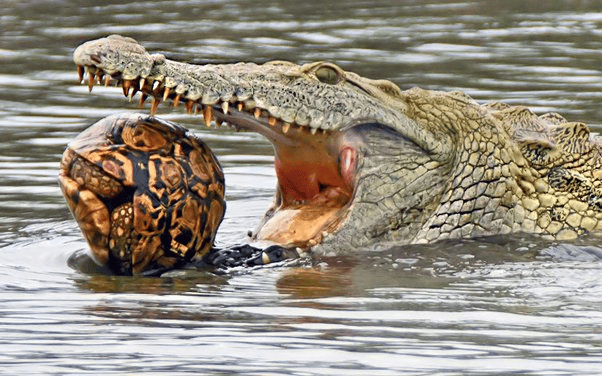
95 58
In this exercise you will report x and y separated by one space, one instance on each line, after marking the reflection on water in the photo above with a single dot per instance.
476 307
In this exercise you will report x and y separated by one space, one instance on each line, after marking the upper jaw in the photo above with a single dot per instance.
284 91
201 88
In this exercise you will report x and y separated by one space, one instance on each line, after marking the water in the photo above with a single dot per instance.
502 306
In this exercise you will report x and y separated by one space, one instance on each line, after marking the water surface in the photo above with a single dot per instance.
501 306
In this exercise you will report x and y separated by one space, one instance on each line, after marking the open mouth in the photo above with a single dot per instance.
315 167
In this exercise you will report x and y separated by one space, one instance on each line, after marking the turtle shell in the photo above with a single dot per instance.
146 193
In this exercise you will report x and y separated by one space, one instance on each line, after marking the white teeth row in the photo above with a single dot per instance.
162 94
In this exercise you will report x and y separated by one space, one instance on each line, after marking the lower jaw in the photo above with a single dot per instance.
301 227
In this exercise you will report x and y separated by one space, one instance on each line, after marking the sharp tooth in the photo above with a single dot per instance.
90 81
272 121
166 94
142 99
208 115
156 85
132 92
176 101
285 127
189 106
142 82
265 258
257 113
107 80
225 106
126 87
314 130
99 77
239 106
154 105
80 72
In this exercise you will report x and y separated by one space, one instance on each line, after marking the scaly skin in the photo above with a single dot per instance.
360 161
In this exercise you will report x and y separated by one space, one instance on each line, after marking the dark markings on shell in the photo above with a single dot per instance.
146 179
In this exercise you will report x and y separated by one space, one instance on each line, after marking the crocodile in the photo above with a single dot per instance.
361 162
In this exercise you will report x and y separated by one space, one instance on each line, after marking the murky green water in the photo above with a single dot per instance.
504 306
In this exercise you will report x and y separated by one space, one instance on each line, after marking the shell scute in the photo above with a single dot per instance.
146 193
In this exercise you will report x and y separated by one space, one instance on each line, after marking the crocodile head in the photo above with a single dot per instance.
356 159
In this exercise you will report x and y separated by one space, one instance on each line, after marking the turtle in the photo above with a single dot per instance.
147 193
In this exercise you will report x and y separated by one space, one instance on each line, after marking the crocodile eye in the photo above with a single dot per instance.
328 75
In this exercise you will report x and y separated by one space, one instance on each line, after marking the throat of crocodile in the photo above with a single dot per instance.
313 174
316 179
315 186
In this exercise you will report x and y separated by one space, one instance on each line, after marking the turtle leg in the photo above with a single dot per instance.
121 239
